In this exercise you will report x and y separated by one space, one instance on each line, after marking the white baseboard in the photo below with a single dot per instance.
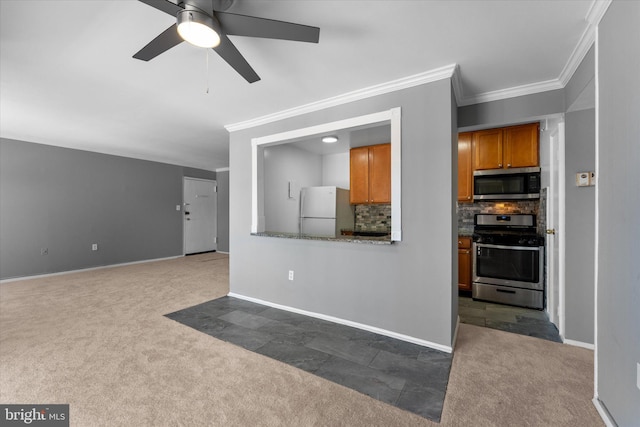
61 273
223 252
579 344
604 413
402 337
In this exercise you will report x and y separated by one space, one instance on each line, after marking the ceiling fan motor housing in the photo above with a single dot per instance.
208 6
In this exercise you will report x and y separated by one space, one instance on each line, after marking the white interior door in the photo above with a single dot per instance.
200 221
555 229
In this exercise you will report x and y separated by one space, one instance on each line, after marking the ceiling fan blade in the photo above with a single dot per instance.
165 41
230 53
164 5
242 25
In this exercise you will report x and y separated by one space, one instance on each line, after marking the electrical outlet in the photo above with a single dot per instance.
177 207
44 251
290 274
94 247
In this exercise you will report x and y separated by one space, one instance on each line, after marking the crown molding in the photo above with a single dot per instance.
512 92
596 11
368 92
594 15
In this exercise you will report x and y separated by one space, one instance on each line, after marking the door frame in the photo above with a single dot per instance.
557 137
184 203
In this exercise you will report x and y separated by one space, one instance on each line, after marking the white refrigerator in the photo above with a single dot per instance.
324 211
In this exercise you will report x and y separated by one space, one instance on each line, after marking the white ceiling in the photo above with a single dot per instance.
68 77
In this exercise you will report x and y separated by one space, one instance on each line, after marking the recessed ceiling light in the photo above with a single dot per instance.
329 139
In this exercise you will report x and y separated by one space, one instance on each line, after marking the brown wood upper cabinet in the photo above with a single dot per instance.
370 174
465 171
504 148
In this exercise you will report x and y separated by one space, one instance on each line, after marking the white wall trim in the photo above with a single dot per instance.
596 243
597 11
424 343
512 92
579 344
222 169
578 54
81 270
368 92
393 116
604 413
593 17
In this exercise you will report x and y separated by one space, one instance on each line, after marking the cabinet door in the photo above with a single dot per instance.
521 146
464 269
380 173
359 175
465 171
487 149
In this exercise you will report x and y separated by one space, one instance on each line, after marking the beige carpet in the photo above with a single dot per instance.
98 340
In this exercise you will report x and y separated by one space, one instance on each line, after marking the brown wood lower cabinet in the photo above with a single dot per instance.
464 263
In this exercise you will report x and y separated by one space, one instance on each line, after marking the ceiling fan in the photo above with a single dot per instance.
205 23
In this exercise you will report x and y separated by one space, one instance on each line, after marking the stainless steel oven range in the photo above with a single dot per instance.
508 260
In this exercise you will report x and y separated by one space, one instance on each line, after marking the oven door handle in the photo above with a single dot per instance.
517 248
504 291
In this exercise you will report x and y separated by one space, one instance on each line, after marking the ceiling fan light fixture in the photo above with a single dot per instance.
197 28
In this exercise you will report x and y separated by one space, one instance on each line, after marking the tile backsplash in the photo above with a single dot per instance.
373 218
467 211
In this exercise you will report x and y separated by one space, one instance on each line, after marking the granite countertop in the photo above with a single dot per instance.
369 240
465 232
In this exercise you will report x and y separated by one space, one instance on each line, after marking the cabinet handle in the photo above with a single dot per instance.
508 165
468 197
459 242
499 165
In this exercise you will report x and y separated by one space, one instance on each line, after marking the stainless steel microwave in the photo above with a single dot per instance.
506 184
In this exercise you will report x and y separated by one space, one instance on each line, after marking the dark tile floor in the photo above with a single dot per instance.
402 374
523 321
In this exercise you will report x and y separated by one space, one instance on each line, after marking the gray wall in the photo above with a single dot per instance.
405 287
579 227
618 204
580 156
283 164
454 212
65 200
222 179
511 110
582 82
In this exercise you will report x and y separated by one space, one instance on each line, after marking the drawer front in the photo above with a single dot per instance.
464 242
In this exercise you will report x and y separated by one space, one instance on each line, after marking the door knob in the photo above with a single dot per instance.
551 231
